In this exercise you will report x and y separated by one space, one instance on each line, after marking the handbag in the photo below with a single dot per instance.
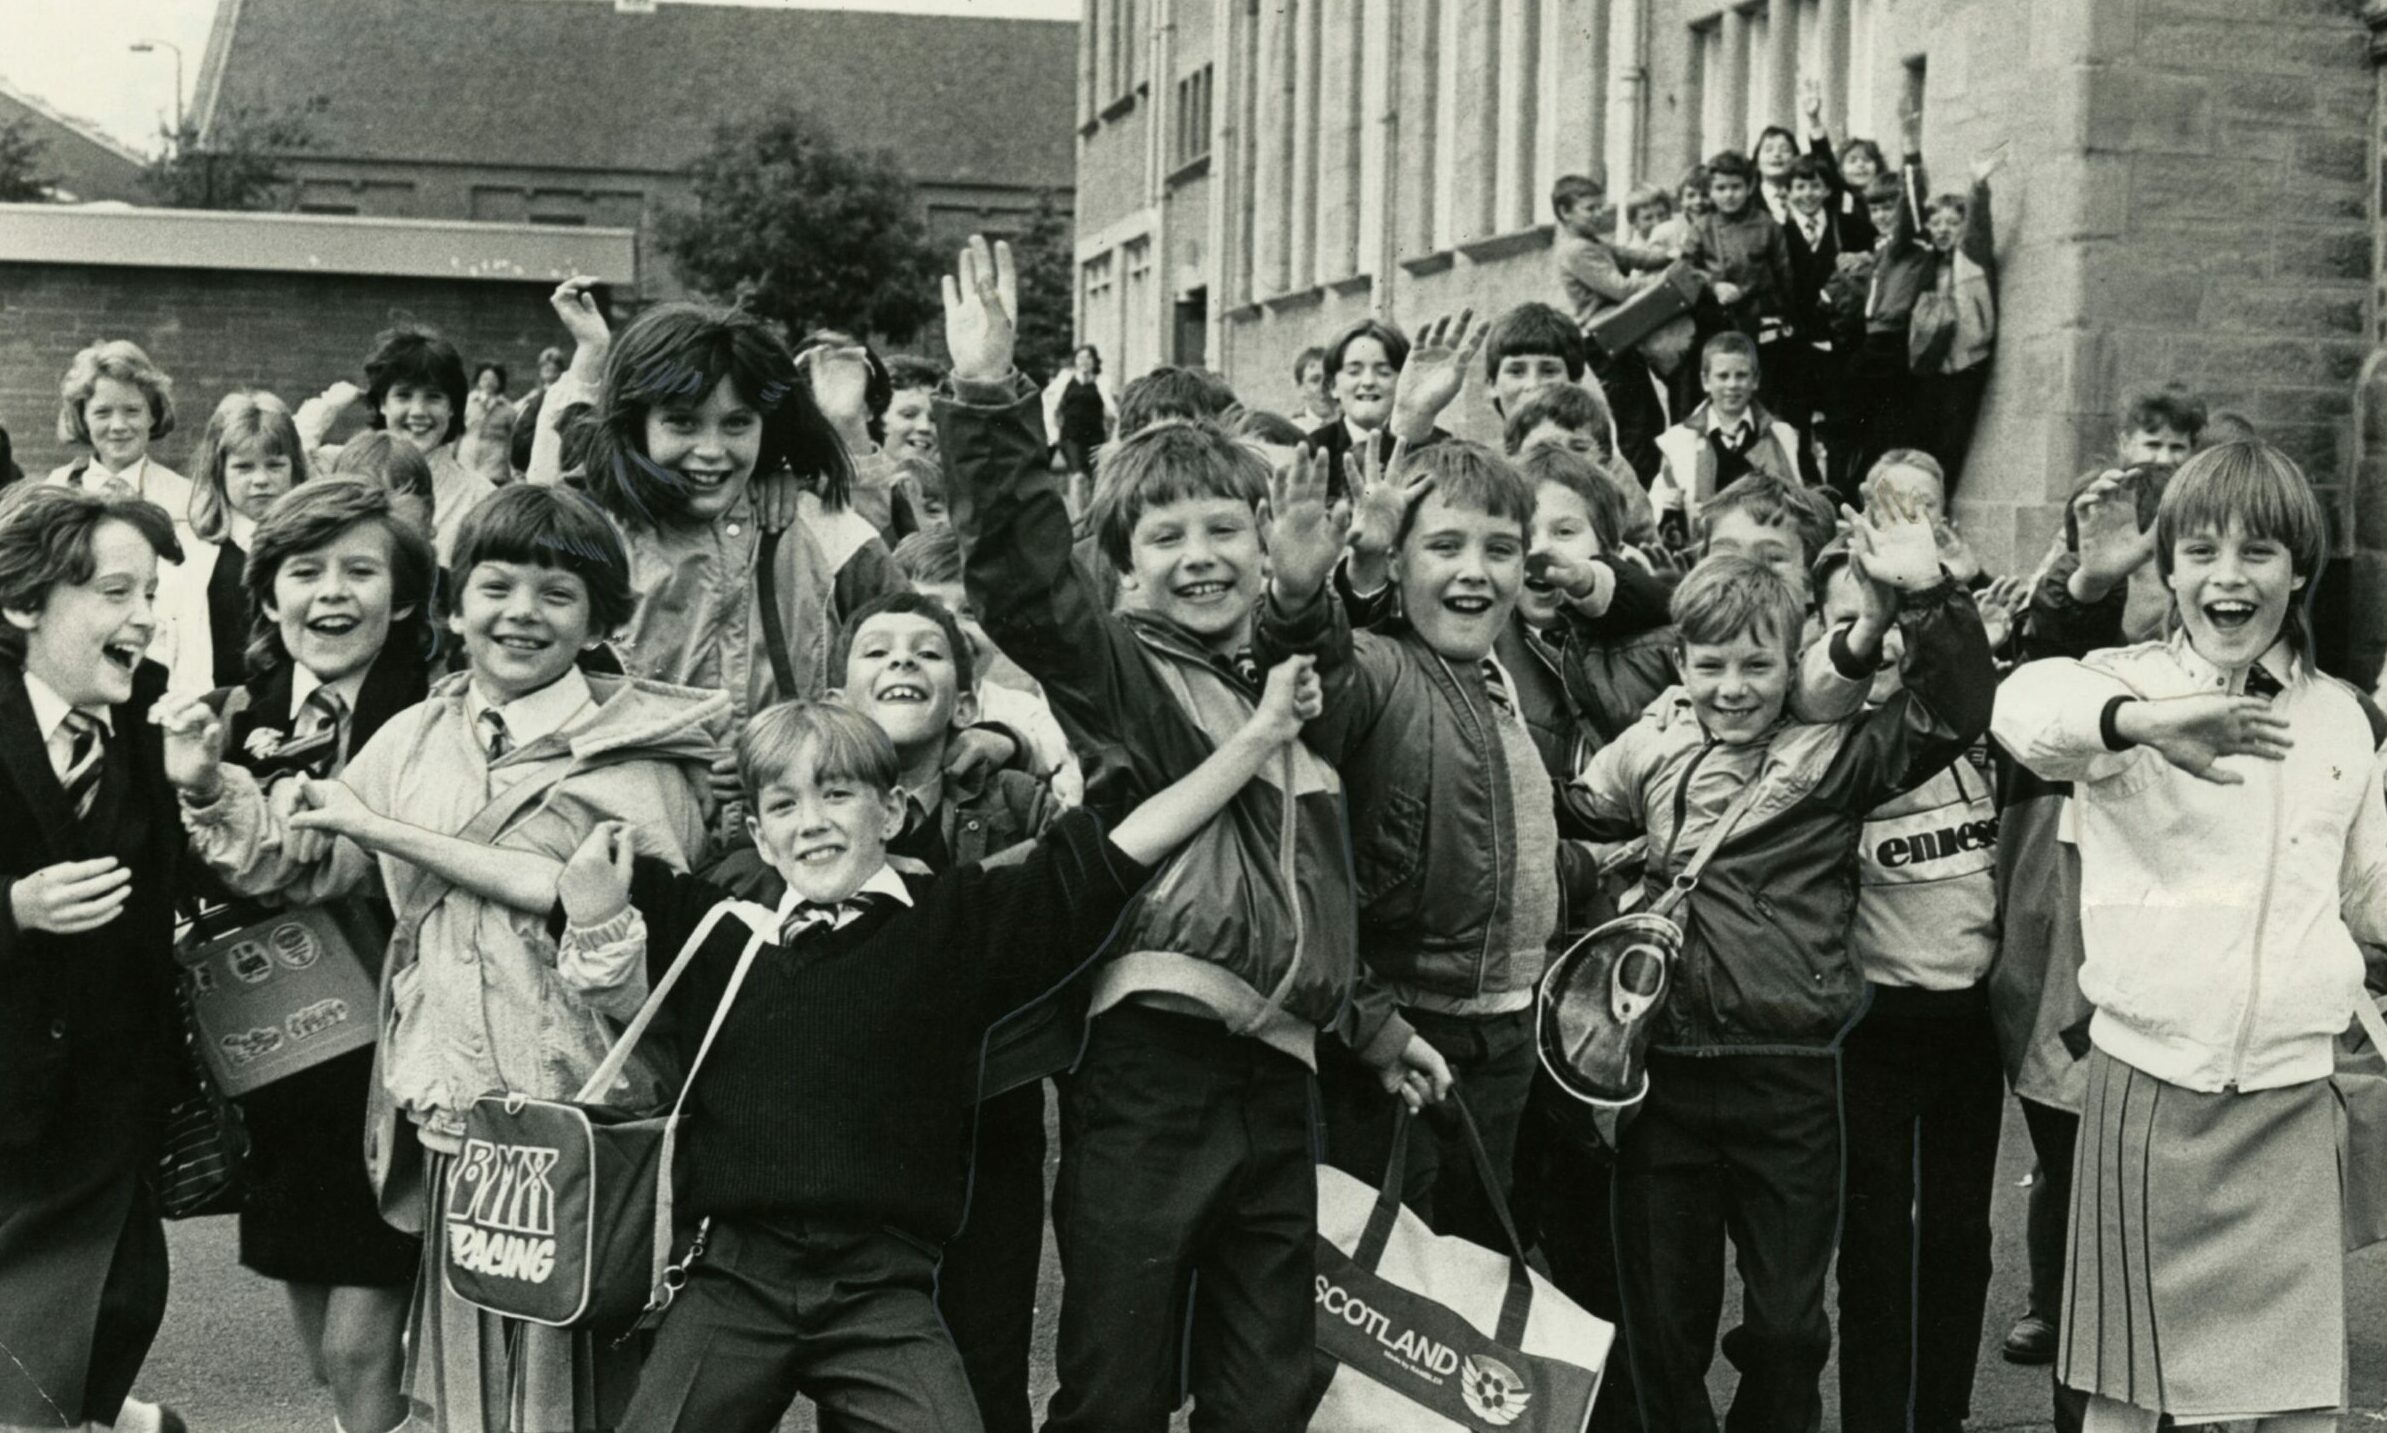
2361 1081
1420 1331
559 1212
274 996
1600 1000
1621 326
198 1169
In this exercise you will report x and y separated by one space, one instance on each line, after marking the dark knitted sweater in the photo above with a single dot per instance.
843 1082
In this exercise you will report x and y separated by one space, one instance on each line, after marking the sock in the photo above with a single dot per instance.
138 1417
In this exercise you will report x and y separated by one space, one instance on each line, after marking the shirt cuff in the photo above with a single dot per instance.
2108 728
613 929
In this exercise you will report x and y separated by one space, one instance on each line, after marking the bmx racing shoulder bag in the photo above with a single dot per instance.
1419 1331
559 1212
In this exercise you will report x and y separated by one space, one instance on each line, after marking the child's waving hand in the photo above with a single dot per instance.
576 308
1436 370
1892 542
2193 733
595 883
1305 534
981 309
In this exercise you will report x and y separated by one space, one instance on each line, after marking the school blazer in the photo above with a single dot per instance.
1334 440
67 1019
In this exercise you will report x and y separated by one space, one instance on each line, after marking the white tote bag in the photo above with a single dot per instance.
1419 1332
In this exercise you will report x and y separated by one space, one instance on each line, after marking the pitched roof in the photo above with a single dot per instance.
85 162
572 84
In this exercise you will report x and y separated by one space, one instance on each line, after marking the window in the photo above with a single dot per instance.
1193 118
561 221
317 207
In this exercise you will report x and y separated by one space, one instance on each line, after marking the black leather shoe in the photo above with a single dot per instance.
2031 1341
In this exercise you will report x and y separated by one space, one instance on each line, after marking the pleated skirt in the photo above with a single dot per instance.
2205 1275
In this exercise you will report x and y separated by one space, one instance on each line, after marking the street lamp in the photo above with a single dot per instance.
150 47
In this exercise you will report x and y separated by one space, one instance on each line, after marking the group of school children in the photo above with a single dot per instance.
1248 804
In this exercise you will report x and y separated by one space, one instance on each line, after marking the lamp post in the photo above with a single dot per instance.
149 47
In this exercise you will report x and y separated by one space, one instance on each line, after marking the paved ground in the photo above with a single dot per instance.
227 1360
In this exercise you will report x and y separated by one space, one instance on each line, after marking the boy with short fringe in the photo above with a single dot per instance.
1576 420
1594 274
1741 249
1465 881
1725 438
1741 1128
1186 1167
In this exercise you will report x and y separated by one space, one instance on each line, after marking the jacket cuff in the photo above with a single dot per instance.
1923 599
1011 389
2108 728
1844 661
1383 1052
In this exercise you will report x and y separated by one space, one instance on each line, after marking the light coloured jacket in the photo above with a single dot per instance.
2219 921
474 1004
1687 477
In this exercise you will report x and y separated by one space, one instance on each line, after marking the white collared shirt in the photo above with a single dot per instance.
882 882
49 717
1738 429
536 714
1361 438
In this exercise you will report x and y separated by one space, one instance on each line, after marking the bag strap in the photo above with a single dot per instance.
592 1091
1288 869
484 828
1687 879
2374 1025
766 580
1516 1306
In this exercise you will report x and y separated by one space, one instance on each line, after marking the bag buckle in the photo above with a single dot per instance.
675 1278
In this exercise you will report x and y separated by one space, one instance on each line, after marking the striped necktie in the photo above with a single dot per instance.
500 740
1504 699
808 917
86 755
317 735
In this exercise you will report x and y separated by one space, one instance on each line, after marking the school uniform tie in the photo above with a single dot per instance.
499 740
318 734
838 915
86 753
1504 697
2260 683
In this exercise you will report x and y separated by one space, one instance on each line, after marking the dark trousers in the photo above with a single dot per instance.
1562 1203
1880 400
1186 1214
1924 1094
1640 417
1493 1058
986 1287
1947 409
1745 1147
2047 1228
842 1314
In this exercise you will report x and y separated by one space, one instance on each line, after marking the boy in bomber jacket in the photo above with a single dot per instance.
1741 1128
1186 1130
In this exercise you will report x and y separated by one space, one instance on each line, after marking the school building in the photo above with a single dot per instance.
571 113
2192 192
285 302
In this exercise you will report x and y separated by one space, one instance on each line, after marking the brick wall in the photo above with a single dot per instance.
213 331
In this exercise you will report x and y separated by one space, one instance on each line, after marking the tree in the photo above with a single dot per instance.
22 178
792 226
1047 259
241 164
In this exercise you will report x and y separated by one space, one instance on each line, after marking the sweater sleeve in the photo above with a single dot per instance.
1037 921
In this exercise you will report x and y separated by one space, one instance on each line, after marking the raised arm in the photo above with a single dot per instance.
239 830
592 341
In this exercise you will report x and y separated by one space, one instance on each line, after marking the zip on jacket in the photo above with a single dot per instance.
2221 946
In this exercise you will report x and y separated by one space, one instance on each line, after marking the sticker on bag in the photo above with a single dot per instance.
1434 1358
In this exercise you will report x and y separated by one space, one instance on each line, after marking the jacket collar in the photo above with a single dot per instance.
2279 663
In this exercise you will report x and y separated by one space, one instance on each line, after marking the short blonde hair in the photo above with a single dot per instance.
122 360
1730 596
842 743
